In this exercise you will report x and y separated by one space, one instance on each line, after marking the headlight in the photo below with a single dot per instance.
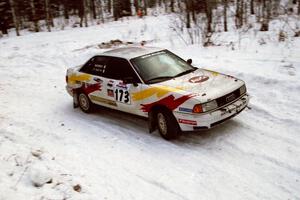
243 89
209 106
200 108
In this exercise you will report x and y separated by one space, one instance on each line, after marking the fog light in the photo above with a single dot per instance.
197 109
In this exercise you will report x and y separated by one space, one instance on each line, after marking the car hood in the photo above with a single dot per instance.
205 84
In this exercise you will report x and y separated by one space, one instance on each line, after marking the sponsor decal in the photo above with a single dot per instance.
110 93
169 101
102 100
159 91
75 78
198 79
186 121
185 109
98 80
89 88
121 85
110 83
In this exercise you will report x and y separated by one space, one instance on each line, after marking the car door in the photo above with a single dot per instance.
93 86
120 82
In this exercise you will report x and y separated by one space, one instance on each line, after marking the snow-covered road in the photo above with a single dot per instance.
111 155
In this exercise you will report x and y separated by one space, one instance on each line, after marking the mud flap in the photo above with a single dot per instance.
151 122
75 100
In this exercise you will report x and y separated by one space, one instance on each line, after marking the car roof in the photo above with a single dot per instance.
131 52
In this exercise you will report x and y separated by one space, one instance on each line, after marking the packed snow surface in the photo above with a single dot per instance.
111 155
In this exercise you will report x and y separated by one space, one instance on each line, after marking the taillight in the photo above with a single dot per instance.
197 109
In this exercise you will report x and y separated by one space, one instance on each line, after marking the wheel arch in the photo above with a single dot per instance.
152 114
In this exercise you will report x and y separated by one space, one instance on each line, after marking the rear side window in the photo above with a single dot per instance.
95 66
118 68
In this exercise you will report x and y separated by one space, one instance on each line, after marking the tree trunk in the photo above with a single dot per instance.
179 5
109 6
101 11
241 18
193 11
34 17
13 12
93 9
47 15
188 16
245 13
225 14
252 7
145 7
85 8
81 11
172 5
208 12
66 9
237 14
265 15
116 9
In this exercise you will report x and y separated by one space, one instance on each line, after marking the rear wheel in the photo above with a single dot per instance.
85 103
167 125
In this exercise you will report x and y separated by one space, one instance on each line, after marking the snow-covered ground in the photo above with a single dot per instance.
111 155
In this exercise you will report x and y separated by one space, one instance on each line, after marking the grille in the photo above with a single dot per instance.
221 101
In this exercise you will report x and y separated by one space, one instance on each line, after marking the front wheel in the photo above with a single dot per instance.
167 125
84 103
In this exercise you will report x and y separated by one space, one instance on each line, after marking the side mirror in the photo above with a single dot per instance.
189 61
129 80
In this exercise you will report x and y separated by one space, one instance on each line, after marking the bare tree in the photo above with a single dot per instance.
34 16
116 9
47 15
298 7
208 12
239 13
266 12
85 11
188 14
13 12
93 9
225 4
172 5
252 7
81 11
193 10
145 7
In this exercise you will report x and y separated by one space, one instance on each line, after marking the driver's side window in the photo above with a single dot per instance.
119 69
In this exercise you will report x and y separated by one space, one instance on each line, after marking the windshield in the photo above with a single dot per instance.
160 66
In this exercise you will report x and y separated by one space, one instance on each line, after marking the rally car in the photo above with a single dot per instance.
157 84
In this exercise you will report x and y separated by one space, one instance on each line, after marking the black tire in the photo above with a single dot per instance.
167 124
85 103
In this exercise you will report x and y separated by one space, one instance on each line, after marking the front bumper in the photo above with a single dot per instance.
193 122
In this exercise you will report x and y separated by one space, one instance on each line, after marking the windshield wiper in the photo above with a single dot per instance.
186 72
159 79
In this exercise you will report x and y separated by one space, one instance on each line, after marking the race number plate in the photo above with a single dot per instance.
122 95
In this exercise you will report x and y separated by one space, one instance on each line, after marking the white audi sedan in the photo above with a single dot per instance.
157 84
